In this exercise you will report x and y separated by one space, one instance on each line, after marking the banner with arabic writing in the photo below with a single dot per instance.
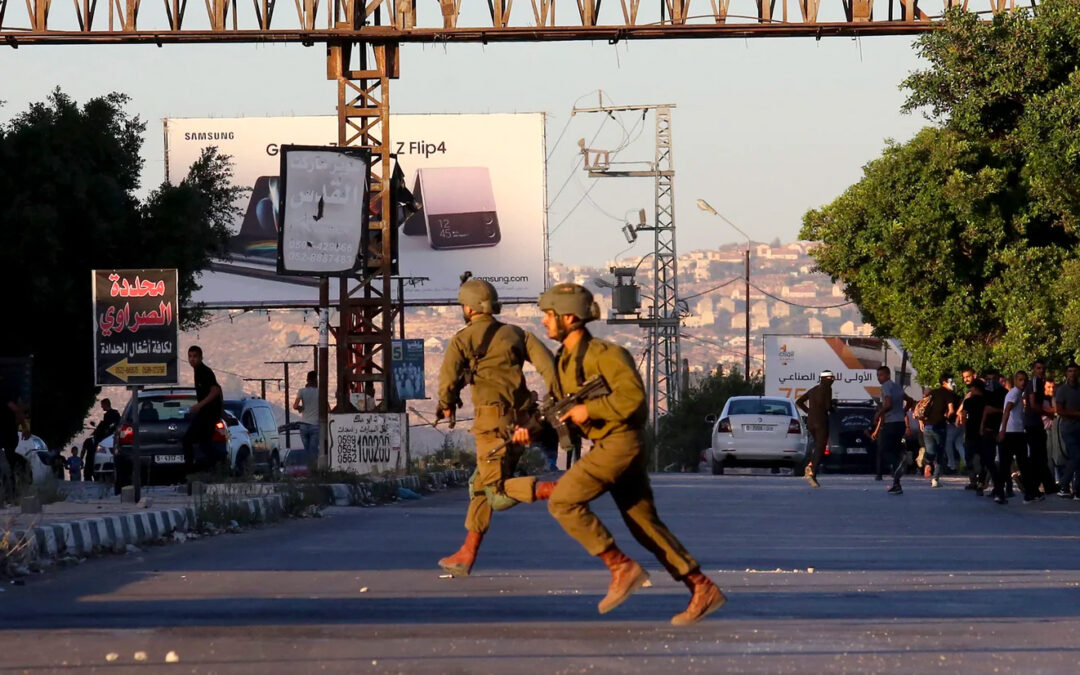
324 212
367 443
793 364
136 327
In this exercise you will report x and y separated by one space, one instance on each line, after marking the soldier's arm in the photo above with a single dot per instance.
541 358
627 391
450 374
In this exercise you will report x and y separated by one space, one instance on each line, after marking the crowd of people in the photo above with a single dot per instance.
1016 434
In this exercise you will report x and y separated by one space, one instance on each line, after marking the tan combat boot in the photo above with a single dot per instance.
626 577
460 564
544 489
706 599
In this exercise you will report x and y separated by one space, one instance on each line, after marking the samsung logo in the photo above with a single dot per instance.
209 136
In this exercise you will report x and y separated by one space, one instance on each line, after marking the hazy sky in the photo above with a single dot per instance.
763 129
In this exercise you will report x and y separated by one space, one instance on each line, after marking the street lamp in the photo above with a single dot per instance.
705 206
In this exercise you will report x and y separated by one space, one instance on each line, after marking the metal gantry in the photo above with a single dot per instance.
24 22
662 323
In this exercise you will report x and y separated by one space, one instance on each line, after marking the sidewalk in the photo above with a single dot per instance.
92 519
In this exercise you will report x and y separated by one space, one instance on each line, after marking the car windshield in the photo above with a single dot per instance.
164 407
235 407
759 406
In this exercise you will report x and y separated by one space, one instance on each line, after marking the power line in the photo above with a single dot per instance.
718 345
795 304
714 288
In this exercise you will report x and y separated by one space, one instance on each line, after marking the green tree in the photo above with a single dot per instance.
962 242
69 174
683 432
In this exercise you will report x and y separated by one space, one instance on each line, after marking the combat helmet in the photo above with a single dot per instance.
569 298
480 295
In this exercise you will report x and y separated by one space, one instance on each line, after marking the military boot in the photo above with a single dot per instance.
544 489
811 476
706 599
626 577
460 564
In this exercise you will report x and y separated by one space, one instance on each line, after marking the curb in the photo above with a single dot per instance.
381 491
110 533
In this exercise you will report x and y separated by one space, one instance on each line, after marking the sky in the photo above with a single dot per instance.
763 129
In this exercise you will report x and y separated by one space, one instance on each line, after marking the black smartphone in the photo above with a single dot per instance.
457 208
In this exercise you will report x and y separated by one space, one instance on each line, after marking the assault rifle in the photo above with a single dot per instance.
551 411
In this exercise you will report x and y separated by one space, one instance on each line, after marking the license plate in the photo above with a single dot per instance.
169 459
856 451
757 427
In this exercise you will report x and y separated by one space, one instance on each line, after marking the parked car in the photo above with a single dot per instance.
257 418
38 459
850 448
758 431
163 420
297 463
239 444
104 466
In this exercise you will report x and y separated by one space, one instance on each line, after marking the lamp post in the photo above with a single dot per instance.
705 206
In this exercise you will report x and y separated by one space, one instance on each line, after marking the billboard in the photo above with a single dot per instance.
323 209
479 181
408 366
794 362
136 327
367 442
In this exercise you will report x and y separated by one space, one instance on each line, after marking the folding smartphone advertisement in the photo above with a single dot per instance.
478 195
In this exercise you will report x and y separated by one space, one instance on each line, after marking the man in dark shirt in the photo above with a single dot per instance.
1037 461
995 405
817 404
970 416
11 416
105 428
204 414
942 406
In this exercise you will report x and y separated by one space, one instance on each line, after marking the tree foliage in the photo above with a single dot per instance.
69 174
962 241
683 432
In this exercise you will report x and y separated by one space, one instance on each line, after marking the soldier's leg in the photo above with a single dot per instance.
478 515
634 497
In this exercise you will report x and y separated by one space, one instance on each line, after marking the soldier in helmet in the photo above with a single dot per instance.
488 355
617 463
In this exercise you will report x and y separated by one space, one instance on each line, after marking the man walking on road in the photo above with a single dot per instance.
1034 411
617 463
941 407
204 415
890 434
1067 407
817 404
110 420
488 356
1012 440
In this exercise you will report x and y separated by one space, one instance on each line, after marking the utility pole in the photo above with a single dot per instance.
286 364
746 372
262 382
663 323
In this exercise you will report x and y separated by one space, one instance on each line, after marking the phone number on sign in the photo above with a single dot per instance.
372 448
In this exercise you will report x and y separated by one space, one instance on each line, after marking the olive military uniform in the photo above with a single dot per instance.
616 463
487 356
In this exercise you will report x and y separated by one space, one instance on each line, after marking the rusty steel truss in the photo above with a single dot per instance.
24 22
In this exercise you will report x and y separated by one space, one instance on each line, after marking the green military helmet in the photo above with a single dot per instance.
569 298
480 295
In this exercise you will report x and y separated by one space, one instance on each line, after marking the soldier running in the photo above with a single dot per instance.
487 355
616 463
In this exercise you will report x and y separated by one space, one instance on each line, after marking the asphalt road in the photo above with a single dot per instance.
931 581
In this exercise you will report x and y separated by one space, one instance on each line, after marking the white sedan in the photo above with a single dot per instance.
758 431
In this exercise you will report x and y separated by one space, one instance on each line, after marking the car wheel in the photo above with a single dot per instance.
717 468
243 460
275 467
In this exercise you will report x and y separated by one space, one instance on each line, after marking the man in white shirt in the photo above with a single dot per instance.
1012 440
307 404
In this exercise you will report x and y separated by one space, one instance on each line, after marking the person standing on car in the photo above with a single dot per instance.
307 404
890 434
817 404
110 420
203 415
488 356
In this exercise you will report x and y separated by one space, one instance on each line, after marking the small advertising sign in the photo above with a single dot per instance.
367 442
408 366
136 327
323 209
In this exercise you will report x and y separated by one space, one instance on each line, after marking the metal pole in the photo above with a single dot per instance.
136 458
747 372
322 352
